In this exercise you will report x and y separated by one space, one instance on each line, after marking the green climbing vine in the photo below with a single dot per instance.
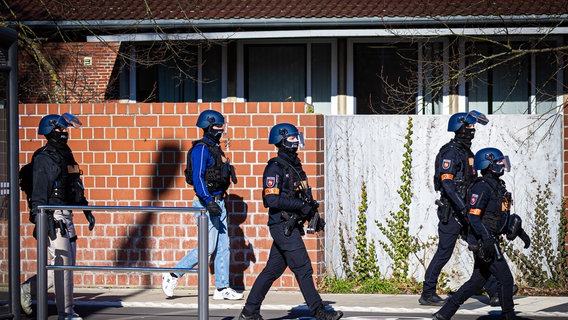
545 263
365 261
396 227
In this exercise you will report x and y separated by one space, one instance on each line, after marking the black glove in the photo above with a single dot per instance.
213 208
90 218
306 210
321 225
487 249
33 215
51 233
315 205
526 239
316 224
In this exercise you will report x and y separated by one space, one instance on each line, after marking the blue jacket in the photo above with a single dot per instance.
201 159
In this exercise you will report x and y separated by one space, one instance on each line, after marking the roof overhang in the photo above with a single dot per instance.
305 22
331 33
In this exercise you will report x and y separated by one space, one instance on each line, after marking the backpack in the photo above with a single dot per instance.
26 178
188 172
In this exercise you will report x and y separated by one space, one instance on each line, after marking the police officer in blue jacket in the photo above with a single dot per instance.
489 217
282 178
453 175
210 173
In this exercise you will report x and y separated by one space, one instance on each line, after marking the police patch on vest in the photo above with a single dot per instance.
270 182
446 164
474 198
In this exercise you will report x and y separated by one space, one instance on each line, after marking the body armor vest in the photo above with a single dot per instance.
496 214
291 180
218 176
464 177
68 187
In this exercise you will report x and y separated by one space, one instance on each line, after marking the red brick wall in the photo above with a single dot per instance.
134 155
76 81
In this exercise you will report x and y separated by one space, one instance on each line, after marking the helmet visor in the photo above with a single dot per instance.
504 163
72 121
475 116
221 126
297 137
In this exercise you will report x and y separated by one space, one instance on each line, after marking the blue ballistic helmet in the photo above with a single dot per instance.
52 121
458 119
208 118
491 158
282 131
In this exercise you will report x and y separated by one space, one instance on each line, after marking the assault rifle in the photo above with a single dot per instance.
487 250
315 222
292 221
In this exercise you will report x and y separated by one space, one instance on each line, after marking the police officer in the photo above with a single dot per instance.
489 217
57 181
282 180
453 175
210 173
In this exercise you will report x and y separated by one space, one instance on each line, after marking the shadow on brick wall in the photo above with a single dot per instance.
137 249
242 251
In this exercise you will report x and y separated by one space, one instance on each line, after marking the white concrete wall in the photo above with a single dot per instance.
371 147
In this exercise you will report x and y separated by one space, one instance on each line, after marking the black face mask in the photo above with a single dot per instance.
465 133
497 170
58 137
488 172
289 147
290 151
214 134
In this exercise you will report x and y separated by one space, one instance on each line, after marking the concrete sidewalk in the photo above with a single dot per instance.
547 307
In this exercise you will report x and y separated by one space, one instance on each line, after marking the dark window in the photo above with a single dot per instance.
500 80
275 72
321 72
212 73
166 73
385 78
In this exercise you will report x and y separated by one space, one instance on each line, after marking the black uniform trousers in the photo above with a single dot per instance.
285 252
448 234
482 271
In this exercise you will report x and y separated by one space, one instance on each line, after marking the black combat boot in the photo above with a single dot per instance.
494 300
432 300
439 316
246 315
323 314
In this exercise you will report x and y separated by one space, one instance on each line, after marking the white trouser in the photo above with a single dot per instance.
62 251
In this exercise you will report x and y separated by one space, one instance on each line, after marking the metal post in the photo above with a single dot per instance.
9 36
203 271
41 264
42 242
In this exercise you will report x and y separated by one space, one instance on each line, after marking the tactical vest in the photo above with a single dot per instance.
68 187
217 176
292 180
498 208
464 178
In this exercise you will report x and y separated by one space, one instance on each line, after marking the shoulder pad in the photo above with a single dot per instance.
48 151
275 165
196 142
